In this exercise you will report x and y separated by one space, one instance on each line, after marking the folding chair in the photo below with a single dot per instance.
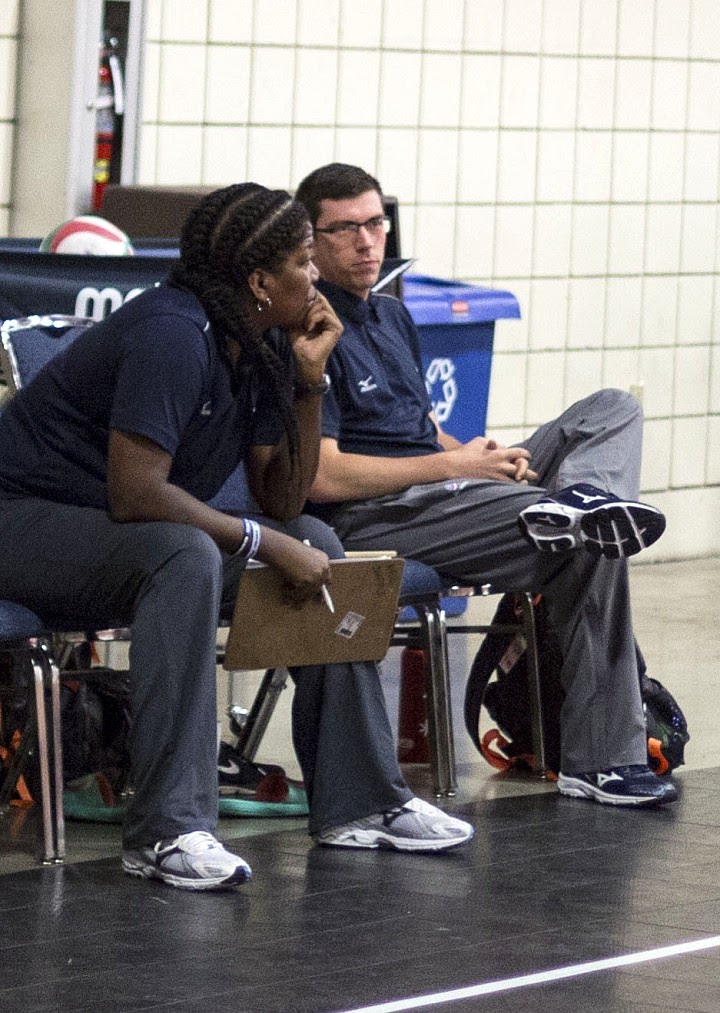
423 589
26 344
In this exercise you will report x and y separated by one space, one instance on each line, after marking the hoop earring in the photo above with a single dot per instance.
267 301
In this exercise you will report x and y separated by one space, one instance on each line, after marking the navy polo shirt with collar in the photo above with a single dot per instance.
378 403
153 368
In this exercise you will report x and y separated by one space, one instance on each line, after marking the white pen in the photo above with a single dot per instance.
323 587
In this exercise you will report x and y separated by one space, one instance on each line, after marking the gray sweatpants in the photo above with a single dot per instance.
170 583
468 530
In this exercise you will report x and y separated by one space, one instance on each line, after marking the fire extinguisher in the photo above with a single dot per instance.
109 104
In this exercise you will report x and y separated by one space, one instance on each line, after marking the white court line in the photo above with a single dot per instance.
539 977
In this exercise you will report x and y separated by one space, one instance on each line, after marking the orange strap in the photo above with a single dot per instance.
24 798
655 751
494 758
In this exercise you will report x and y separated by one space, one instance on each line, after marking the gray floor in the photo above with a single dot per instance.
556 906
677 621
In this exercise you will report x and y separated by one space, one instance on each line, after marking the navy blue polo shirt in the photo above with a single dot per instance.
378 403
153 368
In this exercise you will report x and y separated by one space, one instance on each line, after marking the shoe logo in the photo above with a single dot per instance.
585 498
229 768
367 385
206 408
602 779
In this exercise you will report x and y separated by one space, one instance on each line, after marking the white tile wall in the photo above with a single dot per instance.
544 390
623 312
635 28
184 22
586 313
9 19
315 90
548 309
437 166
275 22
687 465
561 26
655 372
8 63
484 25
443 24
630 166
318 22
6 137
633 89
228 84
692 368
712 460
655 471
231 21
224 155
481 84
660 307
626 234
567 150
558 92
551 240
474 243
9 11
182 84
599 28
555 165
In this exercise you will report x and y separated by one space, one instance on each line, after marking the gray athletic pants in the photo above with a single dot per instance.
468 530
170 582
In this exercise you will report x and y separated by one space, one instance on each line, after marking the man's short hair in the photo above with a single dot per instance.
336 181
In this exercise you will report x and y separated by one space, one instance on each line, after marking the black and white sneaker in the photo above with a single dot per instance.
633 785
194 861
582 515
415 826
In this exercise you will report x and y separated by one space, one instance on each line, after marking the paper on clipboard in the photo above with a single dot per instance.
267 632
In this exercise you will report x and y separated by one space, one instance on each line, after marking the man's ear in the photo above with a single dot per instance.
257 281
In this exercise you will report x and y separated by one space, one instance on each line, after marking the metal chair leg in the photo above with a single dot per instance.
266 699
57 756
534 684
43 760
442 743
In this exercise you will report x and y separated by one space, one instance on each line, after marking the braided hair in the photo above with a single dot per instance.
225 238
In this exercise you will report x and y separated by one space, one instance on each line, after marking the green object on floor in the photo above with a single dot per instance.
294 804
92 799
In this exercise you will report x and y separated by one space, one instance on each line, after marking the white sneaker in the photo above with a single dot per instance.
194 861
415 826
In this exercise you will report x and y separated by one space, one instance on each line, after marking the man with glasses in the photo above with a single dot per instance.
558 513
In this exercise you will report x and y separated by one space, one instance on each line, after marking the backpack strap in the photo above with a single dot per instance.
486 661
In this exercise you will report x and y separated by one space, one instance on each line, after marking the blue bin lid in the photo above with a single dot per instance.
436 301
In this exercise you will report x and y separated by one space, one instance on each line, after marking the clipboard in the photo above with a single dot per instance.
267 632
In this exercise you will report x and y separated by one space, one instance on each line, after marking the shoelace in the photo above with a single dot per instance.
193 843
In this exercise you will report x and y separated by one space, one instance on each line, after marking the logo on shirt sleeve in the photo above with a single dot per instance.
367 385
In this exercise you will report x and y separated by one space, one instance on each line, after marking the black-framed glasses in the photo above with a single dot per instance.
374 226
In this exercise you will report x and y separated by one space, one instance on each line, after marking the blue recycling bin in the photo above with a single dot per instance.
456 324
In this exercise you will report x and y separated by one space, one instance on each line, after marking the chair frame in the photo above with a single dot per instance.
8 357
46 675
430 633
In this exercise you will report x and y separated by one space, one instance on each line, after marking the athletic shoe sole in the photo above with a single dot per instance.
144 870
614 530
621 529
576 788
377 839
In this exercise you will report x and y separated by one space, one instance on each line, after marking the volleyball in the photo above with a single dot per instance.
88 234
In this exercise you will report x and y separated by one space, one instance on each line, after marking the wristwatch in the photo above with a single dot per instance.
307 389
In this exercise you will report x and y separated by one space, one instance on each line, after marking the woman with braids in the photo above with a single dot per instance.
106 460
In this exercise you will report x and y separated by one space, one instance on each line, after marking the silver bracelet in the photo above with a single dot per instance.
251 540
